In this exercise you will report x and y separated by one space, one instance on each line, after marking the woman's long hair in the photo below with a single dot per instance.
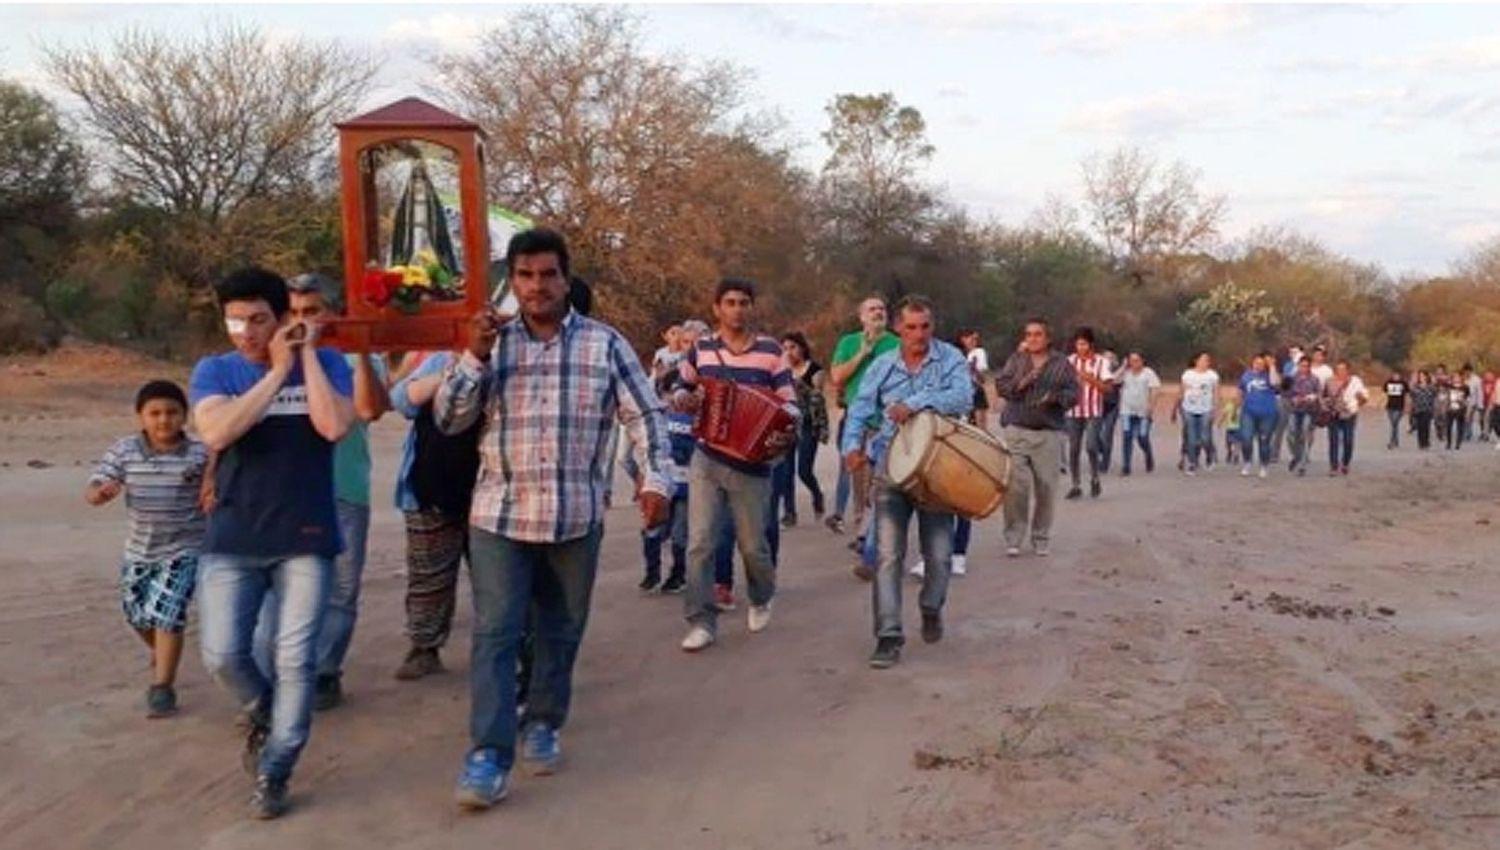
799 339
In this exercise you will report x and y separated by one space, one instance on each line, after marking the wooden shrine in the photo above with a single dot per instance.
416 258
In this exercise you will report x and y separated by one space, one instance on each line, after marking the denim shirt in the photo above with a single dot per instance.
941 383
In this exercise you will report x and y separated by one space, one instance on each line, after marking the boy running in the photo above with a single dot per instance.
160 470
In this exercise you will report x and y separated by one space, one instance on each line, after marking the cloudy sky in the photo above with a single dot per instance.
1375 129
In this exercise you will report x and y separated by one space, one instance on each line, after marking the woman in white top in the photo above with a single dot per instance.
979 367
1346 394
1200 390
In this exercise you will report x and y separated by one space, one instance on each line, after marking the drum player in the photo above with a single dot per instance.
720 483
924 373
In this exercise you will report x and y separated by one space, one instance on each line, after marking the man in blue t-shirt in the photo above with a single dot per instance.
272 409
313 298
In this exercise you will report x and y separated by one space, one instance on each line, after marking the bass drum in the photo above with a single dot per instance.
945 464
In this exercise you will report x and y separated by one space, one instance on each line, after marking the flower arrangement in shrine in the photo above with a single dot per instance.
405 286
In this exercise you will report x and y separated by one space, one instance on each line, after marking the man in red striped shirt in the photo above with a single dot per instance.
1084 418
718 483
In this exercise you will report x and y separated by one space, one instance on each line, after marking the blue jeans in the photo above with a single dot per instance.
1107 424
1341 442
845 485
719 490
343 599
1300 435
554 581
1137 431
893 513
869 555
797 465
1083 435
231 590
674 530
1283 420
962 530
1394 417
1257 430
1197 426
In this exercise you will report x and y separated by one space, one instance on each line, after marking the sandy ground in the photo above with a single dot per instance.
1211 662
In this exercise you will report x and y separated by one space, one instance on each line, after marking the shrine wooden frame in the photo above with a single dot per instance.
436 325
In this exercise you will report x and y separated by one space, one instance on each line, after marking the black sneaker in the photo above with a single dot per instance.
649 583
789 521
255 741
269 800
835 524
673 584
328 692
932 626
1095 488
161 701
887 653
1075 493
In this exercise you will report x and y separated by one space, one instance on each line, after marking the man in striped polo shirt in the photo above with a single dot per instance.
1085 417
717 483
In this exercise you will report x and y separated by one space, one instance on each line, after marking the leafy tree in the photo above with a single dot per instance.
42 171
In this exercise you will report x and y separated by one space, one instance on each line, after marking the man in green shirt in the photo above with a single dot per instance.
314 297
851 358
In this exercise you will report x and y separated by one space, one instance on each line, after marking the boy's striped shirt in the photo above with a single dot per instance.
161 496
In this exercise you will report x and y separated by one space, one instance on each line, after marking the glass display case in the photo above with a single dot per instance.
416 234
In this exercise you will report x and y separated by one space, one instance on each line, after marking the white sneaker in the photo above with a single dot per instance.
918 570
759 617
1041 550
1013 551
1263 472
698 638
1245 471
960 565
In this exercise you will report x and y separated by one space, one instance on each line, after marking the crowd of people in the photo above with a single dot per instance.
509 461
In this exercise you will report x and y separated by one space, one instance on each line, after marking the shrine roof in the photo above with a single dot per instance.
409 112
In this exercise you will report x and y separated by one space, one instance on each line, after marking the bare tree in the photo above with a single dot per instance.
1149 218
1482 264
201 126
1055 219
643 161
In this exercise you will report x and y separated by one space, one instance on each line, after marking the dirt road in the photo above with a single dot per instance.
1214 662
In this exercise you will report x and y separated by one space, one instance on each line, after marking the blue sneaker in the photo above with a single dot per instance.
540 749
483 783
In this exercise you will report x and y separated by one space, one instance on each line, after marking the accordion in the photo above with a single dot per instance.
738 421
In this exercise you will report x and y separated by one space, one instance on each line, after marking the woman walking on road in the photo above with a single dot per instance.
1346 394
1424 398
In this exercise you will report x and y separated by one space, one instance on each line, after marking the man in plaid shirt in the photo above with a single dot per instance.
550 385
